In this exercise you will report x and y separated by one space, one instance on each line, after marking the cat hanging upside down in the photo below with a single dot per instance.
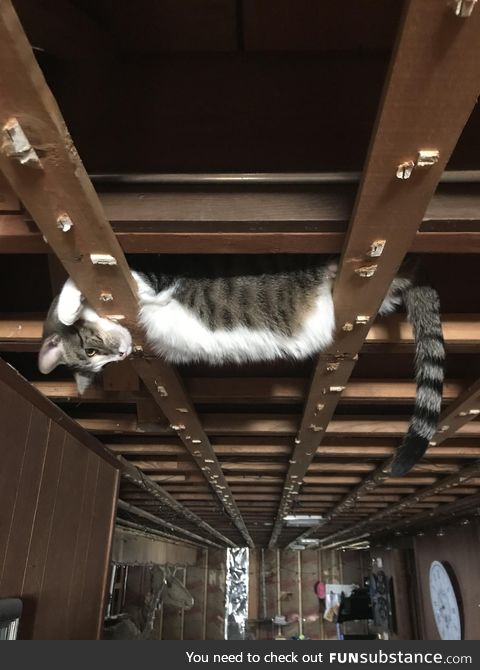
241 309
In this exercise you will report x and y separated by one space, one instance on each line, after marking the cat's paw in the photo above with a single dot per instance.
70 304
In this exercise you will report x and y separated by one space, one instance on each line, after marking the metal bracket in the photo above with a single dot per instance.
463 8
425 158
16 145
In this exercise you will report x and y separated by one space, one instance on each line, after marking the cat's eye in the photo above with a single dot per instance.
91 352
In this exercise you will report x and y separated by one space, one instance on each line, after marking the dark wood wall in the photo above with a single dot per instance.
57 507
459 548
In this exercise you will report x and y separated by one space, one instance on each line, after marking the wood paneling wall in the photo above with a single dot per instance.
57 506
459 547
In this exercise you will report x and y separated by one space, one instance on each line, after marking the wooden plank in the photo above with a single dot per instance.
458 414
388 208
15 430
133 475
464 409
61 29
59 185
446 484
18 237
28 485
169 26
23 332
97 563
178 531
306 25
262 425
64 528
348 448
8 201
167 389
41 530
265 390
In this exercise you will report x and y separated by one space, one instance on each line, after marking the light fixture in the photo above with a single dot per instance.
303 520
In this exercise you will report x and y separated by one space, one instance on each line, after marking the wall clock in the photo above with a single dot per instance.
444 603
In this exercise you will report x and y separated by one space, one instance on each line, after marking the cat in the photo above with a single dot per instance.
241 309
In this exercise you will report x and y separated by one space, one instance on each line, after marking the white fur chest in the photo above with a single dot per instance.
178 335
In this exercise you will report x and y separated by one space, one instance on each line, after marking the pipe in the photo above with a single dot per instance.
264 587
448 177
137 511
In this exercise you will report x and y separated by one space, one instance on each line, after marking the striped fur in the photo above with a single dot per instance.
241 309
423 309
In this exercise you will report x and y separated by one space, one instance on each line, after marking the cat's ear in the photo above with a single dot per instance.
83 381
70 304
51 354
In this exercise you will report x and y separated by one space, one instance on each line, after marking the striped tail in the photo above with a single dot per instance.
423 309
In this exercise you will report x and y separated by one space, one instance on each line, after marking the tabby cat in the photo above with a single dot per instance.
241 309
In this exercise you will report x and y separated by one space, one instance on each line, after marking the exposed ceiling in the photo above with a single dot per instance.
260 86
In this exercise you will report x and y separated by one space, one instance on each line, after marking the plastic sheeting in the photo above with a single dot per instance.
236 597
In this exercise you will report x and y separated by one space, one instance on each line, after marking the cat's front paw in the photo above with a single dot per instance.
70 304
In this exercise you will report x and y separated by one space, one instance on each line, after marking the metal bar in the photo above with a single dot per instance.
132 474
205 596
217 178
146 531
137 511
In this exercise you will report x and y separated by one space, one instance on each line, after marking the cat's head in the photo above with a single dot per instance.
75 336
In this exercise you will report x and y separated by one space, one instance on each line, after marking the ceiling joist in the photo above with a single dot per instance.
39 160
445 484
424 108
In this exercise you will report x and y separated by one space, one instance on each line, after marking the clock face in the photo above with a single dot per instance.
444 603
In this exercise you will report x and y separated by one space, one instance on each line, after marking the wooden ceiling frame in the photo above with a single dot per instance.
133 475
148 531
39 161
223 425
461 331
445 484
458 414
430 91
265 390
153 518
450 226
445 513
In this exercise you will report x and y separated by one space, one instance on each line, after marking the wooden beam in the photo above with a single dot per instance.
458 414
229 390
138 512
133 475
262 425
23 332
147 531
351 450
446 484
388 208
53 184
61 29
299 221
460 507
464 409
9 202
